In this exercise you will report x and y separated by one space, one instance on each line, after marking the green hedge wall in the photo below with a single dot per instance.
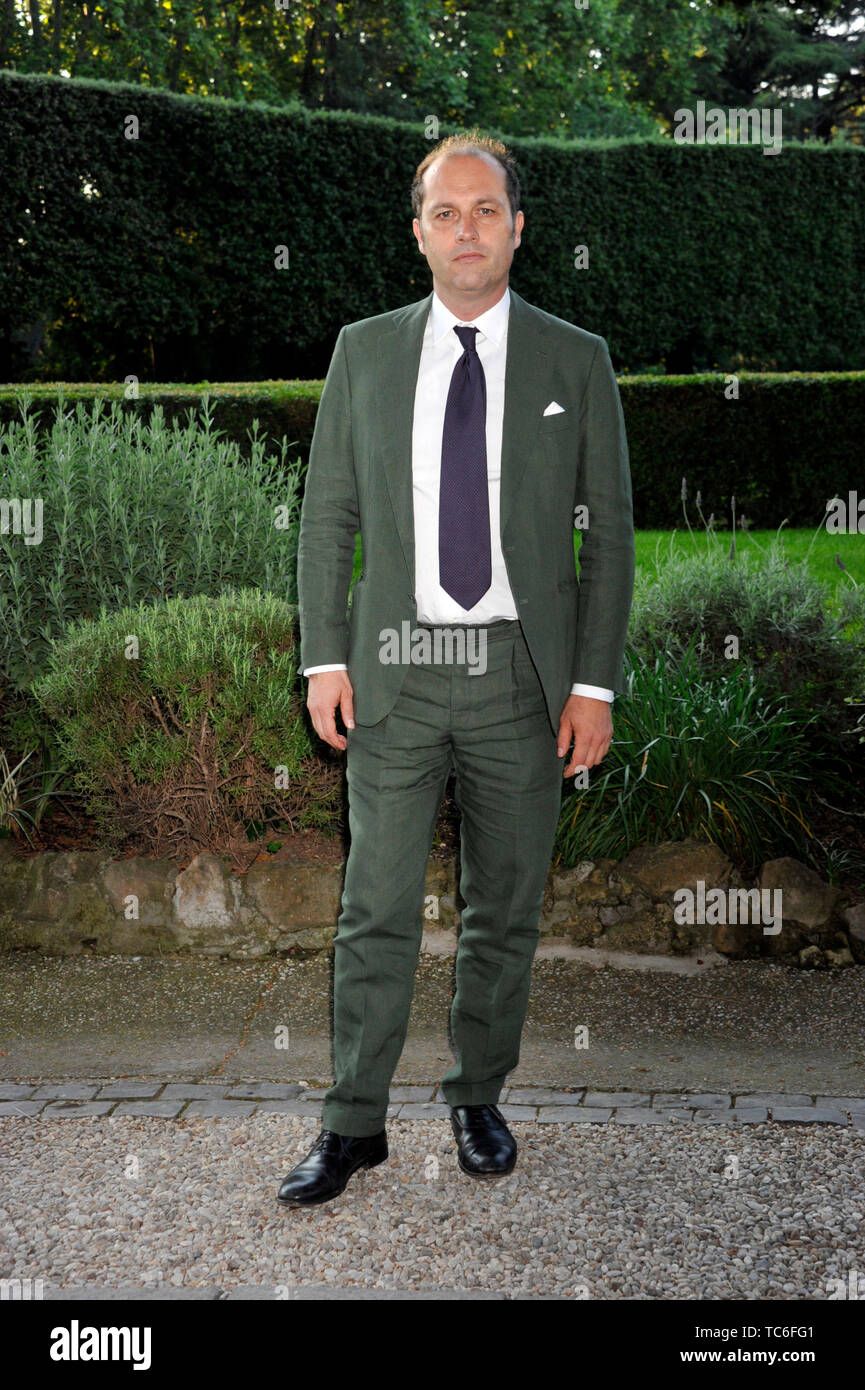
788 444
155 256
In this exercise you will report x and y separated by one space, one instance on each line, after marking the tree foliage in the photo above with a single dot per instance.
537 67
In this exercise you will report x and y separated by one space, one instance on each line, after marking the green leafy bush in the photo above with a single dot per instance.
794 636
133 511
177 716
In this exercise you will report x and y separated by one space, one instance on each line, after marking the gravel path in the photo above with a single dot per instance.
673 1211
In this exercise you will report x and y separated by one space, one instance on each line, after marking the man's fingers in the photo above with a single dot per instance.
580 759
325 726
588 751
330 691
346 706
587 722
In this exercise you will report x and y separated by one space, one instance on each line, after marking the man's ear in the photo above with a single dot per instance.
416 229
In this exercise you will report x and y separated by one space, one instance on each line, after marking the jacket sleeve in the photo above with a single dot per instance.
606 555
328 524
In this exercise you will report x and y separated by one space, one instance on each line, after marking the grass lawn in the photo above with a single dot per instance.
653 547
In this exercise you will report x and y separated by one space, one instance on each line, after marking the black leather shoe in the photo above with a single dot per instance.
328 1166
485 1146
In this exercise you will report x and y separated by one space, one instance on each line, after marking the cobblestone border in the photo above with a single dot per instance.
171 1100
220 1293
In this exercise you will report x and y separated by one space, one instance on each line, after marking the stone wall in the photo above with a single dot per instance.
672 899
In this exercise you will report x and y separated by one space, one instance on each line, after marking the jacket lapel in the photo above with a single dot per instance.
525 373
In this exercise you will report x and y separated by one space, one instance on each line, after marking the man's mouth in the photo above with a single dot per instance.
470 256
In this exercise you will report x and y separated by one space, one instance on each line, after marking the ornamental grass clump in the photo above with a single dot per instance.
695 756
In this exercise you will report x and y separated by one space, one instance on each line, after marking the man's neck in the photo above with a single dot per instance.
468 308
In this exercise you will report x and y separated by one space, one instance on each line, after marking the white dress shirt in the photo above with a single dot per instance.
439 355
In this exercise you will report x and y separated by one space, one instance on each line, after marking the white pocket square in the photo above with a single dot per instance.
554 408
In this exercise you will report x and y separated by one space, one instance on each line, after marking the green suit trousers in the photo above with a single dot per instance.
491 727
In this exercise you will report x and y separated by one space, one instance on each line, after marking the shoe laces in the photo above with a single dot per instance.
480 1112
326 1141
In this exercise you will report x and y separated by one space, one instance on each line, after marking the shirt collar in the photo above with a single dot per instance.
492 323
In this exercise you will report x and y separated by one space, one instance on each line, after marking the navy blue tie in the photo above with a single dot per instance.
465 560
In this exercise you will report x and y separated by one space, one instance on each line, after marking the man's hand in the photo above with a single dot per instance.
327 691
589 723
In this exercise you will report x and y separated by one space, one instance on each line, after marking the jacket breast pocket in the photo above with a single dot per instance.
551 424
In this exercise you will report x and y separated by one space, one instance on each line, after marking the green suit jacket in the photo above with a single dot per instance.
360 479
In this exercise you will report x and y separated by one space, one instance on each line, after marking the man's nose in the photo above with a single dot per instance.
467 228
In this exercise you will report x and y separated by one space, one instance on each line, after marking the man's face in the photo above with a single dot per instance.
465 230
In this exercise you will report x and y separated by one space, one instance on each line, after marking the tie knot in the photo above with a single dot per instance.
466 336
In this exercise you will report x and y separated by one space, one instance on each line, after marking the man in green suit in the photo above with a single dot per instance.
464 437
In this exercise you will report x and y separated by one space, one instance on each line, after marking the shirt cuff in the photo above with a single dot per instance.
594 692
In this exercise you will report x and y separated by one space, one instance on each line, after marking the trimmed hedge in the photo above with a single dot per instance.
789 443
155 256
